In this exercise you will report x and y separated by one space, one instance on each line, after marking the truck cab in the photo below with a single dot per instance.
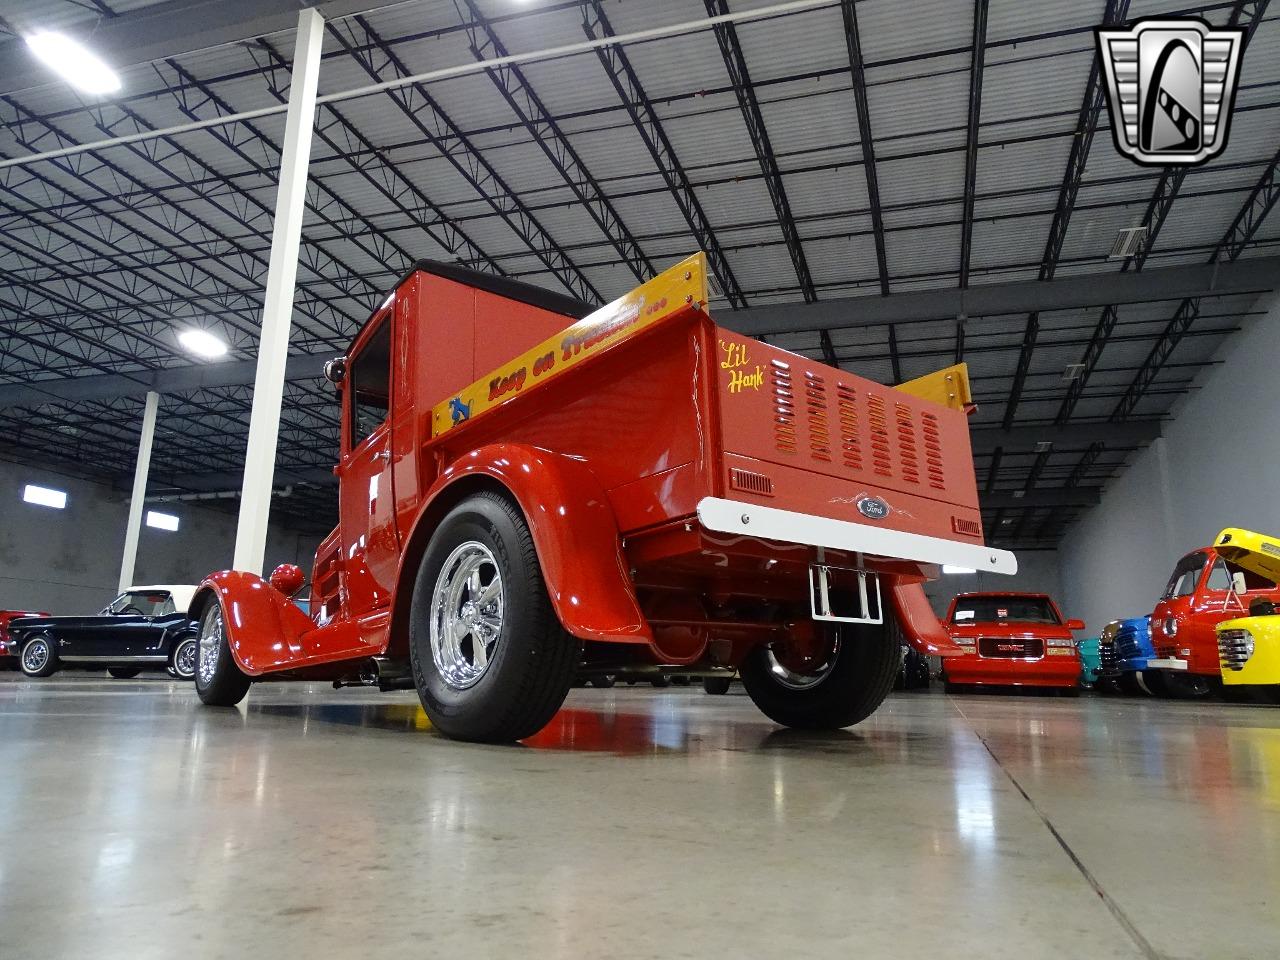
1204 590
1249 646
533 491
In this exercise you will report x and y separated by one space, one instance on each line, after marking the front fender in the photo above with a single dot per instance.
574 532
921 627
263 626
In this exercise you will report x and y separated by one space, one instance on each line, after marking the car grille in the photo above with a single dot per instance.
1127 644
1003 648
1231 649
1107 659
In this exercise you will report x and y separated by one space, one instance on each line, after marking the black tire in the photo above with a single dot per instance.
854 684
123 673
661 682
955 688
1130 686
529 673
219 682
1153 682
602 683
48 663
718 686
179 665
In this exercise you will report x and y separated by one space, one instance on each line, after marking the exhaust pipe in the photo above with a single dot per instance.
381 672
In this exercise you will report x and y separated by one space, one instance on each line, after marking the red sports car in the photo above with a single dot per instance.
1011 640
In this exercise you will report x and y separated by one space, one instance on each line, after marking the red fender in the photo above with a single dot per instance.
920 625
263 626
574 532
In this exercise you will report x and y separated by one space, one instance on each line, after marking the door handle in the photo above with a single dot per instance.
384 455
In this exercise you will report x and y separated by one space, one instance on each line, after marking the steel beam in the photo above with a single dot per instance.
736 63
617 66
1023 296
1042 497
545 130
978 58
1131 433
858 70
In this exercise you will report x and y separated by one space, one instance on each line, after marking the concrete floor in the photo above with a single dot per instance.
317 823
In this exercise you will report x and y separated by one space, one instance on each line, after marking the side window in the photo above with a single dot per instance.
1186 584
370 378
167 607
1219 579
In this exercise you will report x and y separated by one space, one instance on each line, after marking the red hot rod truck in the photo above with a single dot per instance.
638 488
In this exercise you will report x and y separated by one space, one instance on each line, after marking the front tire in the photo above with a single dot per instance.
856 677
491 661
717 686
123 673
219 680
38 657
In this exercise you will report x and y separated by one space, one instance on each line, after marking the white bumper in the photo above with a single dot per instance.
787 526
1167 663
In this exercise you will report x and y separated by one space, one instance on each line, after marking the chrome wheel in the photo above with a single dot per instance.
210 645
35 655
792 680
466 614
184 658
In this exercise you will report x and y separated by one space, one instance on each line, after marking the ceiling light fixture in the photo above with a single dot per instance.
73 62
202 343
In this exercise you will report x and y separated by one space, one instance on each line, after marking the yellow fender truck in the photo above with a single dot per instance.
1249 647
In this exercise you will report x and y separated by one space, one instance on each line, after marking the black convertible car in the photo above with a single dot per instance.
144 627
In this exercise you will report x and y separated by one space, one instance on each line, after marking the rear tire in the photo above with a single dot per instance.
853 683
602 683
219 680
123 673
717 686
511 684
38 656
185 656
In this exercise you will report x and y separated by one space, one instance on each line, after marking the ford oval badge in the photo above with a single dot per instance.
873 508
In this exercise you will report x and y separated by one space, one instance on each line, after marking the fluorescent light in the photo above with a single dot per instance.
202 342
73 62
161 521
45 496
952 568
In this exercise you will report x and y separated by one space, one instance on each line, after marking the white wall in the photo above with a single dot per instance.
68 561
1037 573
1216 466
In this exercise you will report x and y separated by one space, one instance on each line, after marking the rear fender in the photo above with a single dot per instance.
921 627
574 532
263 626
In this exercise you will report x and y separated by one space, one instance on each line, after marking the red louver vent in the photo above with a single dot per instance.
879 424
850 445
907 452
971 528
751 482
933 451
815 398
784 407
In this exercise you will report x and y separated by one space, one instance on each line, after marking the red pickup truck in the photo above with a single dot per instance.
1203 591
1011 639
636 489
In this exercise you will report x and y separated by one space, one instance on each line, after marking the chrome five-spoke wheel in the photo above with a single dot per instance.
35 655
466 614
184 658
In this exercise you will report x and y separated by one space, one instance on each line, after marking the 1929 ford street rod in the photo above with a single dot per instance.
637 489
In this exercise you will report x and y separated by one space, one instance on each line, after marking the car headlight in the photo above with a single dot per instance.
1170 627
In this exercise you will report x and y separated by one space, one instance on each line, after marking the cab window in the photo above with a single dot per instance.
1220 578
1183 581
370 378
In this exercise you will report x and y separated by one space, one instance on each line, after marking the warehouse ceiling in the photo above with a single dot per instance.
856 151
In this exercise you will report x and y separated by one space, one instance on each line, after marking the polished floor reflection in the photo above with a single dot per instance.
319 823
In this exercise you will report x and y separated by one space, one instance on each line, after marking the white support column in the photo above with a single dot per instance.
277 310
139 498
